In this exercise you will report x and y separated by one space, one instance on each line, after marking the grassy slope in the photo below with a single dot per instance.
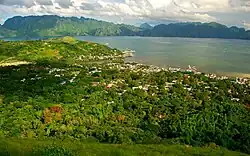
62 48
27 147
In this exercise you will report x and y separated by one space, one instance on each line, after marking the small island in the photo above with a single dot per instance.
77 91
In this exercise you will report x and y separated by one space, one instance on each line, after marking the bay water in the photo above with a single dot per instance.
220 56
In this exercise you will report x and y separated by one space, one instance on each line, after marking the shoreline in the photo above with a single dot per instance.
223 75
220 74
235 74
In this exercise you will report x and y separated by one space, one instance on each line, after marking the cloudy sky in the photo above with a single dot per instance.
229 12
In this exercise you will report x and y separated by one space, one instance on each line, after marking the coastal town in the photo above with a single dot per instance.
74 89
137 67
99 68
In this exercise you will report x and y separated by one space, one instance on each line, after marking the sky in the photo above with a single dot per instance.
229 12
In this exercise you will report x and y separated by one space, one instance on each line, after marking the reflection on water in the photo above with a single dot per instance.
208 55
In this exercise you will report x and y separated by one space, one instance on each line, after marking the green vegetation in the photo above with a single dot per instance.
63 49
45 26
197 30
6 32
55 147
50 26
70 89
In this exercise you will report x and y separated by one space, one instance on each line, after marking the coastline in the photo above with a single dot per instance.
240 75
219 74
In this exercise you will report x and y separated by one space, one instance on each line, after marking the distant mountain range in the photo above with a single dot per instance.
52 26
197 30
146 26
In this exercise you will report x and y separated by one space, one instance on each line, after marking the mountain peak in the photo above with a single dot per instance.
146 26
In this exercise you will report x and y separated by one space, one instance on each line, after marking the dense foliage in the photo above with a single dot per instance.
61 94
197 30
49 25
42 26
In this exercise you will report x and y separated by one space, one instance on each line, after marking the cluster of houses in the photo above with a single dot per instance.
94 70
139 68
116 55
95 57
142 69
135 67
190 69
242 81
211 76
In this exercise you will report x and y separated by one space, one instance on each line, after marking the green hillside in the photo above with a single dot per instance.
63 49
65 89
36 26
197 30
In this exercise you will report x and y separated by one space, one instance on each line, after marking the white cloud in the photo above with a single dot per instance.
44 2
246 25
64 3
25 3
156 10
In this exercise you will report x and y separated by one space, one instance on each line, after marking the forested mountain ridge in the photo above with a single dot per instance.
197 30
51 26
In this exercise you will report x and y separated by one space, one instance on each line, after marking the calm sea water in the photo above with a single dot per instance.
208 55
221 56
